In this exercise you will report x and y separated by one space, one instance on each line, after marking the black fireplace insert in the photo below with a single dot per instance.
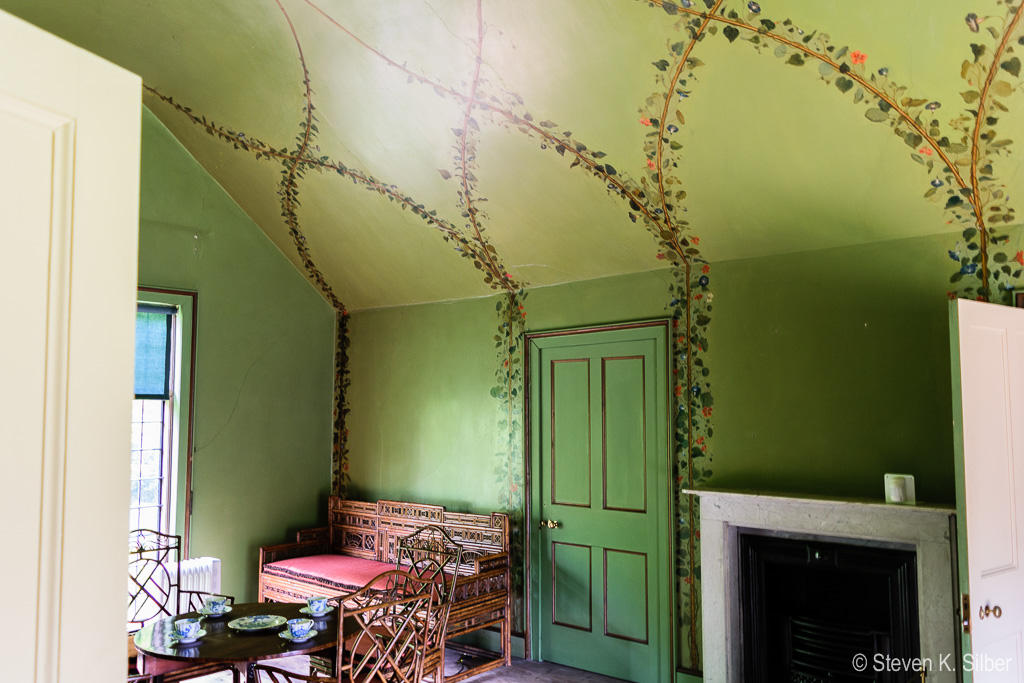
820 611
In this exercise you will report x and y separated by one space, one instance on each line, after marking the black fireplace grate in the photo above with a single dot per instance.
821 651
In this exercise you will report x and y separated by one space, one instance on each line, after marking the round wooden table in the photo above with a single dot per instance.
224 645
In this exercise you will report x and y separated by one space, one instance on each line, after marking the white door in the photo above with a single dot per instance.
69 188
988 392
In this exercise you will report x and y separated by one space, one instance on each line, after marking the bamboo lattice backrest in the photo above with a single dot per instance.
153 568
373 530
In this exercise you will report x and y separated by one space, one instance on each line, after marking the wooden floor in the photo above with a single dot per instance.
521 671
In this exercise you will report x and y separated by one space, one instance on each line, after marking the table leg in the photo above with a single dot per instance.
250 673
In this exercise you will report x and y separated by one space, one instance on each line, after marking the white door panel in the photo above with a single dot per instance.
989 369
69 128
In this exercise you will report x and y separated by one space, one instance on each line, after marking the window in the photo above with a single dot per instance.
161 412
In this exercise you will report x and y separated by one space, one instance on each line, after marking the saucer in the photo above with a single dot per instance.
213 615
305 610
288 636
178 640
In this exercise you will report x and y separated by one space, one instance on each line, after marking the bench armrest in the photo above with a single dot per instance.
320 533
286 551
490 562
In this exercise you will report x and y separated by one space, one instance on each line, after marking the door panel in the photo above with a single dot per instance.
571 587
599 446
625 595
988 379
625 452
570 429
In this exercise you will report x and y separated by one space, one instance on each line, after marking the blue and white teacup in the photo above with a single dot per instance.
317 604
215 604
186 629
299 628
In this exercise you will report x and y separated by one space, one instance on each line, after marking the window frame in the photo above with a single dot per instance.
182 404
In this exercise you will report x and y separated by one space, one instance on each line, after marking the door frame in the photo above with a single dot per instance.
667 534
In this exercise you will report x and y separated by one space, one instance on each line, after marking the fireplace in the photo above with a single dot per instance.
917 549
809 607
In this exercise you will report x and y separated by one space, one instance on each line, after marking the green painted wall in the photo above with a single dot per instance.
264 374
831 368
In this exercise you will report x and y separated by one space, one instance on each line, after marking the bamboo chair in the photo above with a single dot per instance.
154 592
395 617
431 554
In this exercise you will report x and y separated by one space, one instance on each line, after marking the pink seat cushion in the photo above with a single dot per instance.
334 573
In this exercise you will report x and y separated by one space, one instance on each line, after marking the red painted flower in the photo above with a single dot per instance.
858 57
650 164
644 120
705 269
675 323
698 297
1019 258
679 390
951 295
700 440
927 151
680 340
688 580
695 240
697 534
661 257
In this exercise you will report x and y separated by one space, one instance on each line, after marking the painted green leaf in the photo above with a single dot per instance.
1000 257
679 47
858 96
780 51
669 7
1002 88
1012 66
876 115
444 174
826 69
970 96
798 60
661 64
844 84
731 32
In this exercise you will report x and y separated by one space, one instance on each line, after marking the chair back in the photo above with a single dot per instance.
153 569
154 583
430 554
390 622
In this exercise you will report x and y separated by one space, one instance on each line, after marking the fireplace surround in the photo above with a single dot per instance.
927 532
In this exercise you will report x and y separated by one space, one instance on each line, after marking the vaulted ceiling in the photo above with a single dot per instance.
422 150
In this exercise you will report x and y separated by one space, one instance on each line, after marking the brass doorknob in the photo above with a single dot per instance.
987 611
549 523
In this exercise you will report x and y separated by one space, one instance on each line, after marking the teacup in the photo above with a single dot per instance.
317 604
299 628
215 604
186 629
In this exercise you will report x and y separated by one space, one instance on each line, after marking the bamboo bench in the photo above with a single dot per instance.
361 541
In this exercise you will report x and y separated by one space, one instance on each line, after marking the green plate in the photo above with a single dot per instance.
257 622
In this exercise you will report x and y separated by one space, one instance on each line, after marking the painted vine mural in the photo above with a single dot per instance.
958 156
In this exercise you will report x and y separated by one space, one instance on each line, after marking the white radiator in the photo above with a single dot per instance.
199 574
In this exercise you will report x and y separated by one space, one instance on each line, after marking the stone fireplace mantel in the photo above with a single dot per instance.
725 514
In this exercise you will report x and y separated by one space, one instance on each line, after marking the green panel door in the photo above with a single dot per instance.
601 586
